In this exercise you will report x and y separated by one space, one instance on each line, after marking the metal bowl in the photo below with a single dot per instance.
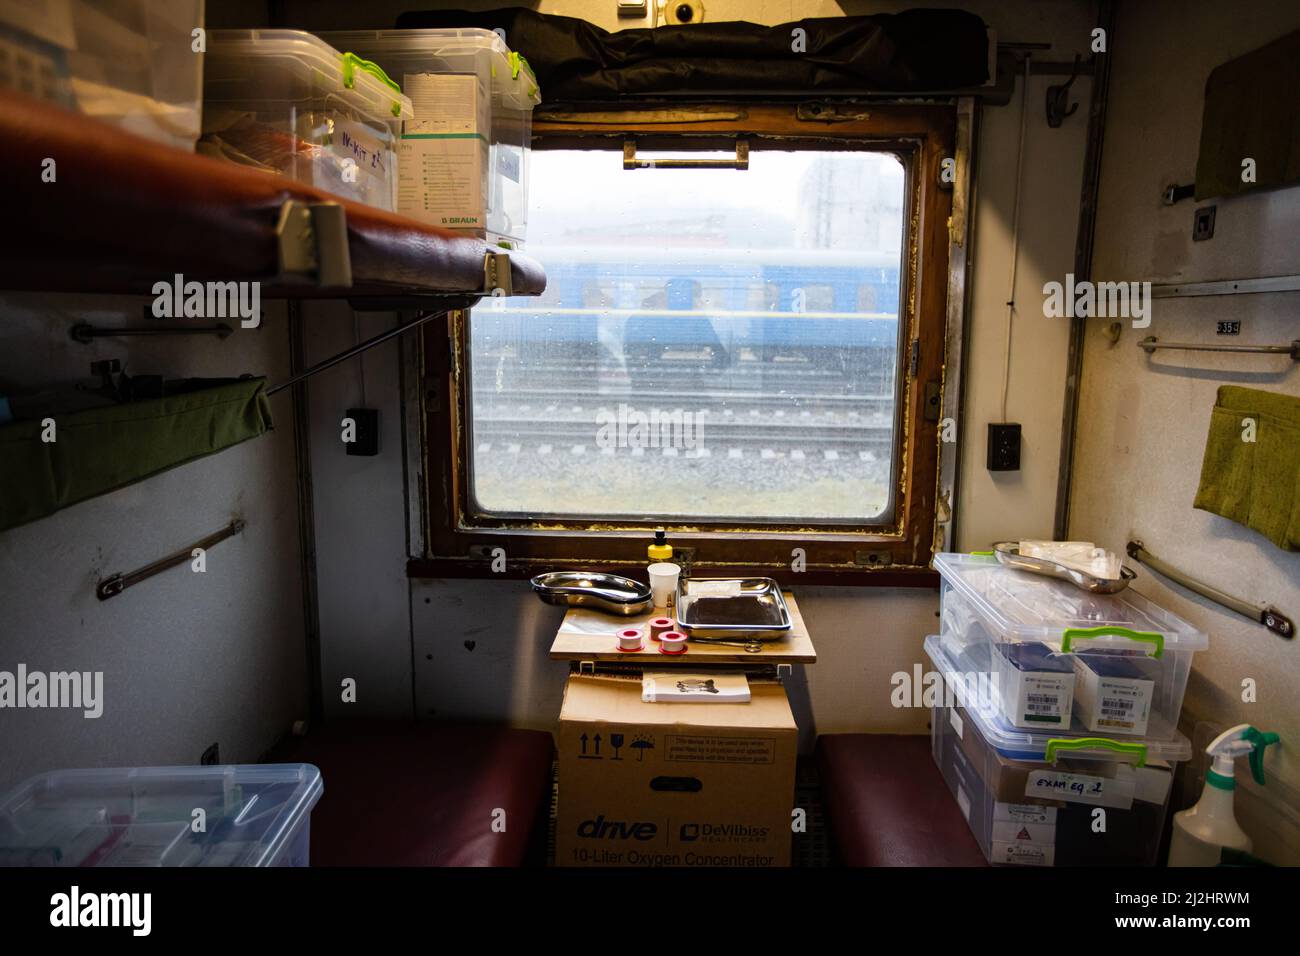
1008 553
603 592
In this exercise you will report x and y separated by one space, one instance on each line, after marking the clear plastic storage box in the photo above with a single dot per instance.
288 102
1128 658
465 152
253 815
1031 797
127 62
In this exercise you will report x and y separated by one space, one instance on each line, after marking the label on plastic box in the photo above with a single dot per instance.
353 141
1022 854
1116 793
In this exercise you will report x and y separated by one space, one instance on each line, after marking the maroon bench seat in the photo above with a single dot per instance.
888 804
408 794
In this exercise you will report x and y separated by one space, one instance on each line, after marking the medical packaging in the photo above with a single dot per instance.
238 815
465 150
289 103
1035 686
985 602
133 63
1032 798
1113 692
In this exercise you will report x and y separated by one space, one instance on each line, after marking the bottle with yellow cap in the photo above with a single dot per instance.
660 549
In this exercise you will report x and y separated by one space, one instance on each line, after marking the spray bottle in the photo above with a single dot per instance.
1203 831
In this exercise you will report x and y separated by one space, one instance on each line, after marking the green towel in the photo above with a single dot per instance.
1254 483
101 449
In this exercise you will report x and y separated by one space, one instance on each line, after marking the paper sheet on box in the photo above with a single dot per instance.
662 687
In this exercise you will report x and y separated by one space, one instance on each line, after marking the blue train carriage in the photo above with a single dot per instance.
713 308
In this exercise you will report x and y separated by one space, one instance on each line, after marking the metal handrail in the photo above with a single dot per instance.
1261 613
115 584
1151 343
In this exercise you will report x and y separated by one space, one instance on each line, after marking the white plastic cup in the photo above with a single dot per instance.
663 583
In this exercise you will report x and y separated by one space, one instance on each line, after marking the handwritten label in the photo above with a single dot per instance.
1116 793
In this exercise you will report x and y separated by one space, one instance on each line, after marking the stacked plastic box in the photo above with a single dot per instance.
464 154
128 62
253 815
288 102
1057 703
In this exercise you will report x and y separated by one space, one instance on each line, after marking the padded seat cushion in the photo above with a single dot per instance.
407 794
888 804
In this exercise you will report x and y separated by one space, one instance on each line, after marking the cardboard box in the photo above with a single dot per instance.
1113 692
665 784
1035 686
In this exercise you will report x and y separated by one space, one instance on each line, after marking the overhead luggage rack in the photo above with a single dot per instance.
96 209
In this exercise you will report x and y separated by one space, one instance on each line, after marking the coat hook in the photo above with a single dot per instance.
1058 96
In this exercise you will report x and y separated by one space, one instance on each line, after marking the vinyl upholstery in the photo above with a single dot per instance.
888 804
125 212
408 794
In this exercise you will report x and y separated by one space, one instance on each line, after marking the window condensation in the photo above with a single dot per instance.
713 344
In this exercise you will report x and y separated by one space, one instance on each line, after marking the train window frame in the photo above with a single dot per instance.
454 540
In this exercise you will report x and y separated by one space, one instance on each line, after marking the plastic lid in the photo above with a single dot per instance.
1022 606
147 816
351 78
512 78
964 666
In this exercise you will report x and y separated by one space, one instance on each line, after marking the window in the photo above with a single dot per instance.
741 355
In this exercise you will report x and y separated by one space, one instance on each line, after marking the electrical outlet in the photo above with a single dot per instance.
1004 446
211 757
1203 224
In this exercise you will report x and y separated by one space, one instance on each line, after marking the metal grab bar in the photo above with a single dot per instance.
115 584
1264 614
1151 343
630 160
85 333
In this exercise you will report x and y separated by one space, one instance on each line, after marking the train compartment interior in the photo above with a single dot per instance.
709 435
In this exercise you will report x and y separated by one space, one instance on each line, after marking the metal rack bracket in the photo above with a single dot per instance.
1264 614
1180 290
313 243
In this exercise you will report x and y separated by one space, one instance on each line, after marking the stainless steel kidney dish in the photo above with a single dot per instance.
604 592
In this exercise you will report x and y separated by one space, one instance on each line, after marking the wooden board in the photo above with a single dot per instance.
572 645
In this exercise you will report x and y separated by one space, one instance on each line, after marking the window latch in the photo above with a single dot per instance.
632 161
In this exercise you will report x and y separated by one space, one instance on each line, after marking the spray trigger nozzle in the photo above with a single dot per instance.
1241 741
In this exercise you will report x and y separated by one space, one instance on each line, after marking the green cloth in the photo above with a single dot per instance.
101 449
1254 483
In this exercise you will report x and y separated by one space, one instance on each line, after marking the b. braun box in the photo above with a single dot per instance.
1113 692
672 784
1035 686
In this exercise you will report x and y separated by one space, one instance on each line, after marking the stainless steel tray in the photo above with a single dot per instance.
750 609
1008 553
604 592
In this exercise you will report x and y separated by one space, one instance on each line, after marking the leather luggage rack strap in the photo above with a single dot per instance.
93 208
